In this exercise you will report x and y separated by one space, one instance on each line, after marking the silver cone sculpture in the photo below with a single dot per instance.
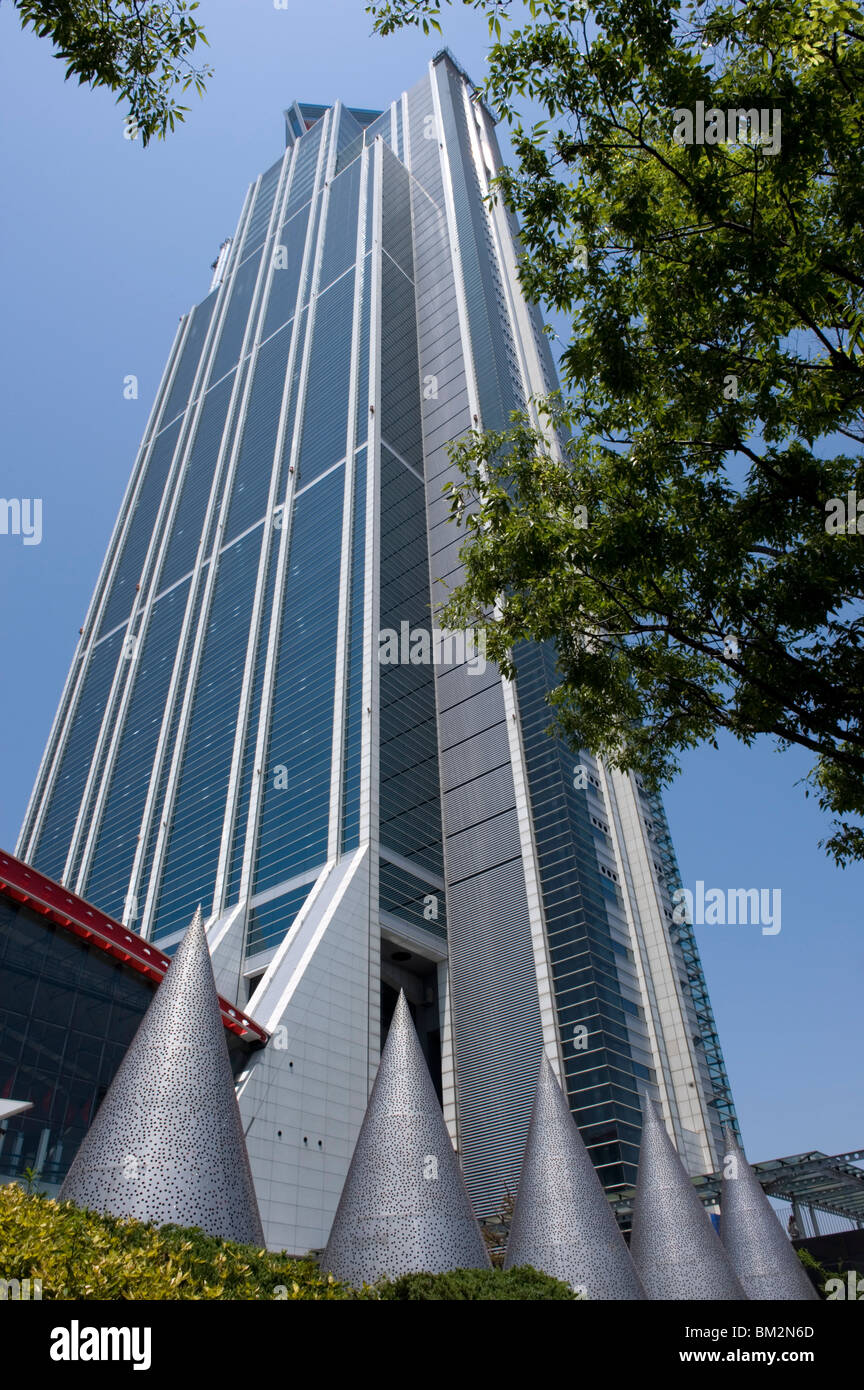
675 1248
562 1222
404 1206
764 1259
167 1141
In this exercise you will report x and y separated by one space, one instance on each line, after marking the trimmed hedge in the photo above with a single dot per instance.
523 1284
81 1254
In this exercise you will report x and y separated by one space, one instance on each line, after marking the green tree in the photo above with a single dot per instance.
140 49
713 381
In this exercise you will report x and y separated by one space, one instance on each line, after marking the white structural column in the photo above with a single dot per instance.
337 756
370 699
684 1102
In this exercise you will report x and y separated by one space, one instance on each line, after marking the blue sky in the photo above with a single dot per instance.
104 246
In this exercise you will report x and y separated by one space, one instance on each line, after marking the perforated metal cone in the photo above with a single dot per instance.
404 1206
563 1223
675 1248
167 1141
763 1258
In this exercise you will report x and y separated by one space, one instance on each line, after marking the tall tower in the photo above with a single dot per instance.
230 735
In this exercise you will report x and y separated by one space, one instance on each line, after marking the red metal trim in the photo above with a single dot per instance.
24 884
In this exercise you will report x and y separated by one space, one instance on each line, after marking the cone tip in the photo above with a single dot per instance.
401 1022
730 1140
649 1108
546 1070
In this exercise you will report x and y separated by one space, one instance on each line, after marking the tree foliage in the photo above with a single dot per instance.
140 49
713 381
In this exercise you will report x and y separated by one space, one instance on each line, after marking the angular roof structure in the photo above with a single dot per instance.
563 1223
167 1141
763 1257
404 1206
675 1248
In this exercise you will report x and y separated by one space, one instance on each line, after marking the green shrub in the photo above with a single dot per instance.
523 1284
79 1254
817 1273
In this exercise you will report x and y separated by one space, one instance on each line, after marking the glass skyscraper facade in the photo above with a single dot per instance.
229 736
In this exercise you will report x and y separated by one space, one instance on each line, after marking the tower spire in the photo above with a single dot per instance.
167 1142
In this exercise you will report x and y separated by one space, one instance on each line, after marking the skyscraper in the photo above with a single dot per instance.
259 718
